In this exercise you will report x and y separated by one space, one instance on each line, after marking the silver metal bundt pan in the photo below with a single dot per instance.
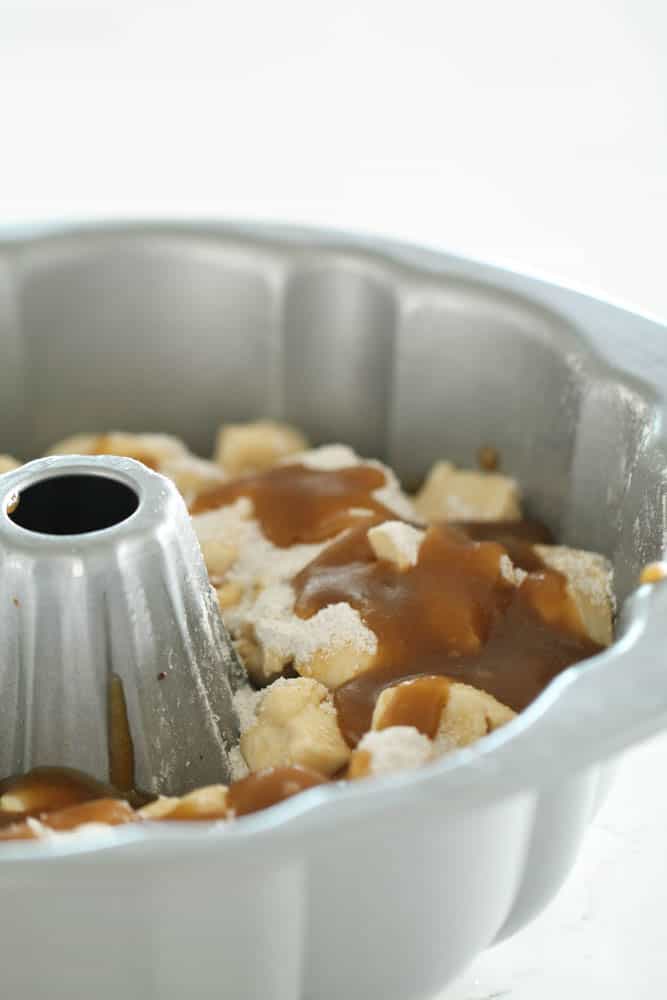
405 354
384 889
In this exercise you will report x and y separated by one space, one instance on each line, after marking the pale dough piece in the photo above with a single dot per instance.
267 648
218 556
590 584
332 646
229 595
385 751
7 464
209 802
192 475
165 454
396 542
158 448
296 724
336 666
262 663
245 448
467 715
451 494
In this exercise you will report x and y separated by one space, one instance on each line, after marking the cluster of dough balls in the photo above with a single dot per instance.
294 719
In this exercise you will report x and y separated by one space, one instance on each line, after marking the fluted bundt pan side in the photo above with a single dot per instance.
408 355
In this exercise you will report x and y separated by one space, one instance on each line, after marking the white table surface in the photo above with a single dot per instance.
603 937
524 132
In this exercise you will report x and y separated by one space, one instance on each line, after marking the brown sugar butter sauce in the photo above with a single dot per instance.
295 504
453 616
61 799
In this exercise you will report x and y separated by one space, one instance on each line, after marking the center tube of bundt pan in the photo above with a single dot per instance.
113 657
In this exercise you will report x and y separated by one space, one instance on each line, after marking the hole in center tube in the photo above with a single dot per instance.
73 505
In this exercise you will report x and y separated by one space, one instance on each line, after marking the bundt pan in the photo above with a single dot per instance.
384 889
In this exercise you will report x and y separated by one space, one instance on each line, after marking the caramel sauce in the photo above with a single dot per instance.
48 789
524 530
110 812
488 458
295 504
454 614
359 766
654 573
517 537
266 788
18 831
417 703
121 749
62 800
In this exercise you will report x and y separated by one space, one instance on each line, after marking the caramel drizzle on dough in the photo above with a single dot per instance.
295 504
454 614
61 799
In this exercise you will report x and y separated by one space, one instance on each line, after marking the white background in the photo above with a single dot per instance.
526 132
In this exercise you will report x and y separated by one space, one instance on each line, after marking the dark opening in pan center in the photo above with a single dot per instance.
74 505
